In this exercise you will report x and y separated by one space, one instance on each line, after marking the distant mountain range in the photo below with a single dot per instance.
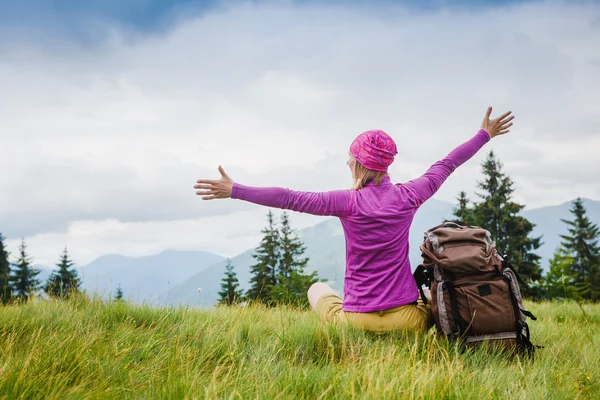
144 279
174 277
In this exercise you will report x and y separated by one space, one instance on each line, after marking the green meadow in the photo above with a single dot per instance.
87 348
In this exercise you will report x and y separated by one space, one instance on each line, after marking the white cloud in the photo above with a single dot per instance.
276 93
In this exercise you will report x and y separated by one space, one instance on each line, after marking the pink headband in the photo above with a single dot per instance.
374 149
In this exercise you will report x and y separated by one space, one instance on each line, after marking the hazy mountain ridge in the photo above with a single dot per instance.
145 278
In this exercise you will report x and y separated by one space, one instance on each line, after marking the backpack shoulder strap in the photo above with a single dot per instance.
422 277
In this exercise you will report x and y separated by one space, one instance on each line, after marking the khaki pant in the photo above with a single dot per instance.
410 317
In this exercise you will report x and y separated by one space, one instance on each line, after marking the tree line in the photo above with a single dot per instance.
278 276
18 279
575 267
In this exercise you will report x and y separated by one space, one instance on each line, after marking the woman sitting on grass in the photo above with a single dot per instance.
380 293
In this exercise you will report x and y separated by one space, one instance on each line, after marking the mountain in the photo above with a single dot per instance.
145 278
550 227
209 282
44 274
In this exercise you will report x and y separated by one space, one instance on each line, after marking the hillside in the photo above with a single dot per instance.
144 278
323 241
89 349
548 224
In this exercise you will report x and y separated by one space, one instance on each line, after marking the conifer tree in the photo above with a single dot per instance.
264 272
559 282
64 282
292 282
230 292
24 280
463 213
5 284
581 244
497 213
119 293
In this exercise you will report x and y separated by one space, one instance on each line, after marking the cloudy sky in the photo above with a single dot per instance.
110 112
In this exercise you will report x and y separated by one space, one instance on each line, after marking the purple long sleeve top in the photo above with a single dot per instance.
376 222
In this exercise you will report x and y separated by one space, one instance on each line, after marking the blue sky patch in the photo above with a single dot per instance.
75 18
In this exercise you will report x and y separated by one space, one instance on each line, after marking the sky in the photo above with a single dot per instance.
111 110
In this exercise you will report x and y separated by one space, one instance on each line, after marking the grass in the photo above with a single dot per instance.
86 348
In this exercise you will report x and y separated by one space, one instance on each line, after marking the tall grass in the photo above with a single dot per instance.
86 348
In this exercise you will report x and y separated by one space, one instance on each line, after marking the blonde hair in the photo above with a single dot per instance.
363 175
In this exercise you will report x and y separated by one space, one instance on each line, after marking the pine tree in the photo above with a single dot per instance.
463 213
264 271
497 213
559 282
5 284
230 292
300 283
119 293
582 245
24 280
292 282
64 282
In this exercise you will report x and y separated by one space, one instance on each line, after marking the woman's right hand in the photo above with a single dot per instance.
212 189
498 126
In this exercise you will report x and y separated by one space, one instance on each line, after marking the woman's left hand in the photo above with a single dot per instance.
498 126
220 189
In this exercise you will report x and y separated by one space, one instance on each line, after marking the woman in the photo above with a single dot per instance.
380 293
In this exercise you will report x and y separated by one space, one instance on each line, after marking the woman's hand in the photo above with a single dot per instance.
498 126
220 189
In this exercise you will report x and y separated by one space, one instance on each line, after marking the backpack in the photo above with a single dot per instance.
475 292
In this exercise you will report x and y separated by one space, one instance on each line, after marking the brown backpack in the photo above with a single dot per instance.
475 292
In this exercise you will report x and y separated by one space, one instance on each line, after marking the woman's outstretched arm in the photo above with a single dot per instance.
425 186
335 203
